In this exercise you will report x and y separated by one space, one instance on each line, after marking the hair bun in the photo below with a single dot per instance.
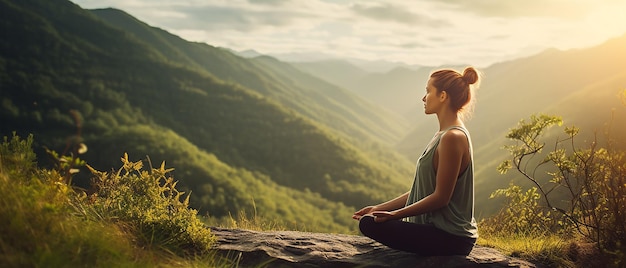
470 75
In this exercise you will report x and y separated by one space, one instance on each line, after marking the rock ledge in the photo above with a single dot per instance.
303 249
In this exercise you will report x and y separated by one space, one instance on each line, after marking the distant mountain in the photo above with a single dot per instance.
539 82
252 135
373 66
388 90
339 72
250 53
381 66
301 56
398 90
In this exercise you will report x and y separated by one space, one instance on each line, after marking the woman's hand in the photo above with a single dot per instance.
383 216
396 203
357 215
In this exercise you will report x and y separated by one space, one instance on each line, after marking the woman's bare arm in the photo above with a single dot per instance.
451 150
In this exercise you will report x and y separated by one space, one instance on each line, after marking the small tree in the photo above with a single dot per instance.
587 187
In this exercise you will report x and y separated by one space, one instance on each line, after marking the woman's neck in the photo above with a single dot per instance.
448 119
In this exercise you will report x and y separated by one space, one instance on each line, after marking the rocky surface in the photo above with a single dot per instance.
302 249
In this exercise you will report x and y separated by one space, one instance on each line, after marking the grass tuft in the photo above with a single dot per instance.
548 249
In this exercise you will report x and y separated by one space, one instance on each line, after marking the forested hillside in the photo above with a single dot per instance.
312 97
241 134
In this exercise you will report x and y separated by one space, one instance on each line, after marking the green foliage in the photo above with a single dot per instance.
37 229
68 165
151 204
526 134
600 213
580 189
521 214
16 156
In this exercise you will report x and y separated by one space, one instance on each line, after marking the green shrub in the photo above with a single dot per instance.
150 204
37 229
521 214
17 159
579 191
525 228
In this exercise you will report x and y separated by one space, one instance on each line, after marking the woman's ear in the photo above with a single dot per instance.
443 96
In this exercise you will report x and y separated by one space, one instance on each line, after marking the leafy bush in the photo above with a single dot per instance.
581 190
37 229
522 213
525 228
17 159
151 204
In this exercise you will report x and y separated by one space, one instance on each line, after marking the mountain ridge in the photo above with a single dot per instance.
230 67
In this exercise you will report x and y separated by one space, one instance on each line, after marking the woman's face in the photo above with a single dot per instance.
431 100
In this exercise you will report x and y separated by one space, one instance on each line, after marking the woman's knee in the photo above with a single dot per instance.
366 223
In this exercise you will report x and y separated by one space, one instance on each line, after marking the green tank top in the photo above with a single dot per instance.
458 216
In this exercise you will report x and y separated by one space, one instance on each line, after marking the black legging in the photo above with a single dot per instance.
422 239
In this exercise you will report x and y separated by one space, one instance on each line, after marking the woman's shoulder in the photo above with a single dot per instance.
456 131
455 135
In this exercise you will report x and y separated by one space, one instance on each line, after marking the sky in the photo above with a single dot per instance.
420 32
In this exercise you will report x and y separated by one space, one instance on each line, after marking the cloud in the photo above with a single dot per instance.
562 9
247 16
245 20
394 13
269 2
413 45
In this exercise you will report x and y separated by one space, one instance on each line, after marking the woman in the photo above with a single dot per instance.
436 217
